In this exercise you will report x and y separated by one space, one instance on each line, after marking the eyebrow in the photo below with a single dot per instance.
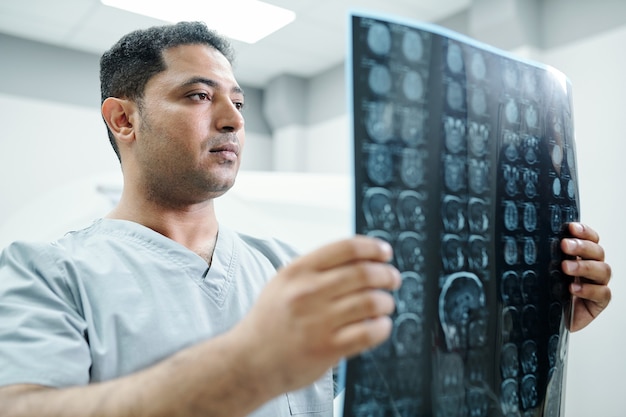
211 83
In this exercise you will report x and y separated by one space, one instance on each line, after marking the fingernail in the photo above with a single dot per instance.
398 278
570 267
571 244
576 287
567 245
578 228
386 248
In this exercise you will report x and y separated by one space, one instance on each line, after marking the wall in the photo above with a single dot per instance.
43 146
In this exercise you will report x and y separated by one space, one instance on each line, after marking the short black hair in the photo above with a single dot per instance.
138 56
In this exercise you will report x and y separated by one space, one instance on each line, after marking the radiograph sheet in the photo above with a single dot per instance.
465 163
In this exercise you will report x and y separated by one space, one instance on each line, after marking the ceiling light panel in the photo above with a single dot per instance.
244 20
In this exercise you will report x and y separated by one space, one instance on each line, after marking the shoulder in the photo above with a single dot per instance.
275 250
57 257
32 256
50 261
35 273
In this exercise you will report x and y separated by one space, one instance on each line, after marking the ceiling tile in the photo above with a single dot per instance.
313 43
104 26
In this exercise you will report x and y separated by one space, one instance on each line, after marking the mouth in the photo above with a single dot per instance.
228 151
228 147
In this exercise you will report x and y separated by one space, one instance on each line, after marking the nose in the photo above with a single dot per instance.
228 117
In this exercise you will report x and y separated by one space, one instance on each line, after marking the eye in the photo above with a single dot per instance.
200 97
238 105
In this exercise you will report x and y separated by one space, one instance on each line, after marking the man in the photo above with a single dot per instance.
157 310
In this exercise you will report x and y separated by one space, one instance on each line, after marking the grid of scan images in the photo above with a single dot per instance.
465 163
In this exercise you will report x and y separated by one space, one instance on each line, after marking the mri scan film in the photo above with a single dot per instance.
464 161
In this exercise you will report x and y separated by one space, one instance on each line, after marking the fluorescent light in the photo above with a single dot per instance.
244 20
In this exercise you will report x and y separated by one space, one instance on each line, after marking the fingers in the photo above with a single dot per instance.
583 247
596 271
361 305
346 279
600 295
346 294
582 231
592 275
358 248
588 255
363 335
341 268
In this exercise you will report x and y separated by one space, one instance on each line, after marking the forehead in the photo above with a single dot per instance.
187 61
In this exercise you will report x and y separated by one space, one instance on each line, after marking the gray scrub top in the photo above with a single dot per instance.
117 297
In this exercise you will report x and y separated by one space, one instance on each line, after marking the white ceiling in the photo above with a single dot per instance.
313 43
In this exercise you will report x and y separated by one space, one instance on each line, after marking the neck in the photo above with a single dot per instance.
194 226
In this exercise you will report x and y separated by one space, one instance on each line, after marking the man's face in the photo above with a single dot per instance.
191 134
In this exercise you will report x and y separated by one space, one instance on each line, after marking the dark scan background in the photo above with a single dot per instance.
464 162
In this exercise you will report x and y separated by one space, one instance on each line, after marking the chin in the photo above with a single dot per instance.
220 186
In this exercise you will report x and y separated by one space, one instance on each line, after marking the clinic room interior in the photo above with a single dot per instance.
59 173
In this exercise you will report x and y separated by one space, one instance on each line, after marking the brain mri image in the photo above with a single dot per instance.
410 296
530 287
478 175
530 217
530 251
454 58
511 215
531 178
407 335
412 168
380 165
530 146
510 250
409 250
478 216
413 86
478 67
455 173
478 101
510 75
412 129
379 79
410 209
511 112
529 358
379 39
454 134
455 96
412 46
478 136
461 302
378 208
478 254
453 254
453 214
511 288
531 117
379 121
509 364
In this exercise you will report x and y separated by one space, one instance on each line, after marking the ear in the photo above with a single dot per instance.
118 114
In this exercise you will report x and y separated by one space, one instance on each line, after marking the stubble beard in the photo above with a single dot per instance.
181 188
169 178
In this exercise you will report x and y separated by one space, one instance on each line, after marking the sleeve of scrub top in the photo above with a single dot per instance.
43 336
